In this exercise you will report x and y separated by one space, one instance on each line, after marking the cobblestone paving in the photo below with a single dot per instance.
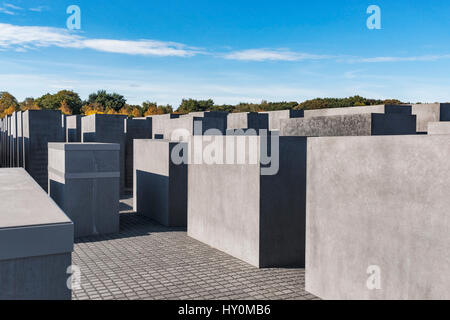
148 261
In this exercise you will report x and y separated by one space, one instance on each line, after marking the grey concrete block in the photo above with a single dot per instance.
84 180
160 186
36 241
73 128
350 125
257 218
385 109
189 126
378 204
248 120
136 128
105 128
276 116
158 123
39 128
19 140
435 128
430 112
206 114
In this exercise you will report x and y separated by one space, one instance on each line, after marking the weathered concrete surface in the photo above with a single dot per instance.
39 128
378 201
248 120
73 128
187 125
137 128
158 123
430 112
257 218
105 128
84 182
36 241
160 186
384 108
276 116
435 128
350 125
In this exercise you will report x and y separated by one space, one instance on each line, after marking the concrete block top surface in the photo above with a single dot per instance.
24 203
31 224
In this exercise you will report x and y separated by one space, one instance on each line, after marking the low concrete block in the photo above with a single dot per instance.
105 128
36 241
160 186
435 128
39 128
377 217
257 218
84 182
430 112
350 125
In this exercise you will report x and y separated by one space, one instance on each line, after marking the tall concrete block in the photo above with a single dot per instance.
135 128
158 123
257 218
13 145
160 186
206 114
190 126
84 180
39 128
377 217
73 128
105 128
350 125
276 116
36 241
248 120
19 140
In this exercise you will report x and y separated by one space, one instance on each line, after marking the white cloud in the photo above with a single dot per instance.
402 59
272 55
38 9
6 11
26 37
11 6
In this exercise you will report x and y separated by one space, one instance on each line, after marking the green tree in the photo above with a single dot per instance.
192 105
113 101
53 101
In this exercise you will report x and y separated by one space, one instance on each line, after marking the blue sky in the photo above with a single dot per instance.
230 51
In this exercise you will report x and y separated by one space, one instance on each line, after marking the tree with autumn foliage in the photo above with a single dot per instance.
8 104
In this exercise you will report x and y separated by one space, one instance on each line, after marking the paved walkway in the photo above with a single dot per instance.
148 261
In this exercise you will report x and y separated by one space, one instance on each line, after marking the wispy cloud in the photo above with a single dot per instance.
402 59
30 37
9 9
38 9
272 55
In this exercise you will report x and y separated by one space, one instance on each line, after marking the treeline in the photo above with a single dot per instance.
102 102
